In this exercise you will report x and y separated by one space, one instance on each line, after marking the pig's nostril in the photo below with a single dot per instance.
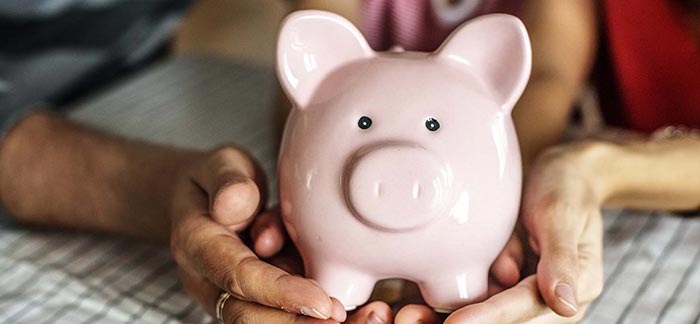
416 190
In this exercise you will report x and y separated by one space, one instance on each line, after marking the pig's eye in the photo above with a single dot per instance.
432 124
364 122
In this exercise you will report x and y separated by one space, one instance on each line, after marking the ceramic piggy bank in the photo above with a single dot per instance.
401 164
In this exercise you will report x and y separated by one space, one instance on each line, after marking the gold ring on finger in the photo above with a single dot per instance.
220 306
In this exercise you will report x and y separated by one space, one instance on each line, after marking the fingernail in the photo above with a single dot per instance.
374 318
313 312
565 294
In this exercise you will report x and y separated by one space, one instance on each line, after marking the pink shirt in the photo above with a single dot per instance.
420 25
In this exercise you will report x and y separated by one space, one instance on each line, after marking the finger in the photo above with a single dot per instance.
207 294
288 260
551 317
494 287
372 313
556 228
517 304
225 260
338 312
506 267
267 233
557 278
411 314
231 181
590 255
505 271
238 311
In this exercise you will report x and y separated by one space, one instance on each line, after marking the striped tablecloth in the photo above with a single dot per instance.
652 260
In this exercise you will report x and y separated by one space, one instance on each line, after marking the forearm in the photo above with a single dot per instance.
662 174
541 116
56 173
563 36
350 9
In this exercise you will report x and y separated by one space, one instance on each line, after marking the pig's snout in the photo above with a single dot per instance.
396 187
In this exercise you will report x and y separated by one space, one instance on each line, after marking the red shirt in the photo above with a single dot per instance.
656 61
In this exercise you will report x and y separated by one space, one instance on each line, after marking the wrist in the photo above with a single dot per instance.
617 170
657 174
607 171
597 164
149 176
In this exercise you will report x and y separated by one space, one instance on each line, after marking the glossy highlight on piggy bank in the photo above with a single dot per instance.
401 164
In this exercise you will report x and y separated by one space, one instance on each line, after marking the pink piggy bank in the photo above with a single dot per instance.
401 164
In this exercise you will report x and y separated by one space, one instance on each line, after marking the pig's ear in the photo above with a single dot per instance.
496 49
312 44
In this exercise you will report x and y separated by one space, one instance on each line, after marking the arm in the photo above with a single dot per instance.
564 38
568 186
561 212
645 174
56 173
654 174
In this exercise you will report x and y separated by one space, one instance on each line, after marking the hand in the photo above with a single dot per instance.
561 216
505 273
215 199
269 239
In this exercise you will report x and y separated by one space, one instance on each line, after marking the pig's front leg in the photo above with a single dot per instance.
352 287
448 291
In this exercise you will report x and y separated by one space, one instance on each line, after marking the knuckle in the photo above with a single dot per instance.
564 253
230 282
233 278
236 313
560 260
184 239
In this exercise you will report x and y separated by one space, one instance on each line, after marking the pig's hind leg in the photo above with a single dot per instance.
447 292
352 287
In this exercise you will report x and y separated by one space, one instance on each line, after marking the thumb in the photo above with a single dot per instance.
229 177
555 231
373 313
